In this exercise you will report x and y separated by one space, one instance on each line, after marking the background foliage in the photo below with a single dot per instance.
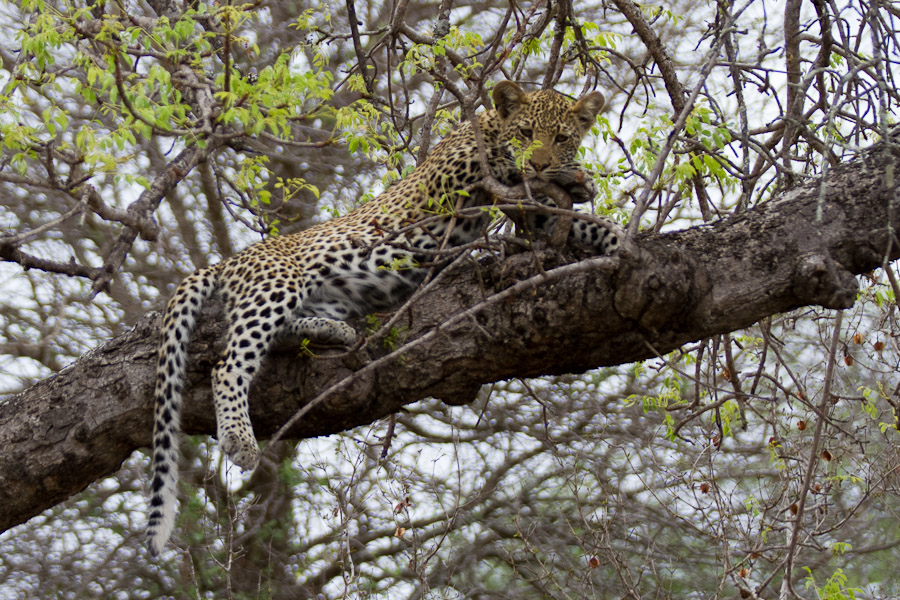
141 141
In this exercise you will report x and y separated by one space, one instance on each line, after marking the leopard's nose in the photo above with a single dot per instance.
538 165
540 160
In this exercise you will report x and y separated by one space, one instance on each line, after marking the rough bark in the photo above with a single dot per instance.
802 248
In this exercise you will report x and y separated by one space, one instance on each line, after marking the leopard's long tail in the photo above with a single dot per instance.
178 324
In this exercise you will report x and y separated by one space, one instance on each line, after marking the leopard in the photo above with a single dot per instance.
307 285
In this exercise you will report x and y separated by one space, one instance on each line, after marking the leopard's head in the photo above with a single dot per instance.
548 117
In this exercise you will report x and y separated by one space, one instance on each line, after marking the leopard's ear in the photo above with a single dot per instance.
588 107
508 98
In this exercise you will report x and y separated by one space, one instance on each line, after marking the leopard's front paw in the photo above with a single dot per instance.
583 189
579 184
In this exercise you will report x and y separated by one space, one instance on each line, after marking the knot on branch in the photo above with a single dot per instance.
654 289
820 280
460 395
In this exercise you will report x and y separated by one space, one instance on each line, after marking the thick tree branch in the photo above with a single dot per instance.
78 426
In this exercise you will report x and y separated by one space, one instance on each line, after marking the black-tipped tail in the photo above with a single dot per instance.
178 325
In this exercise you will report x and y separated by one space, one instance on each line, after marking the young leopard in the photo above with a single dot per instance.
307 284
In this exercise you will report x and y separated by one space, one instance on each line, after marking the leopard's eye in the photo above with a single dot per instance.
561 138
526 133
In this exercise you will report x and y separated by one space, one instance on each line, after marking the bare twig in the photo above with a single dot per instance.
813 455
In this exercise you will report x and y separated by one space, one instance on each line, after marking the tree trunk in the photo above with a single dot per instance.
482 322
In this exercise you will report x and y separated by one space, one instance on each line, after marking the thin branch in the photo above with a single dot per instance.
655 46
813 454
562 19
13 254
362 61
146 204
643 201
